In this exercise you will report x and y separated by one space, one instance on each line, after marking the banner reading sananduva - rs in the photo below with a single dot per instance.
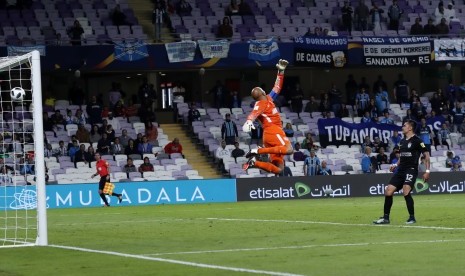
353 185
397 51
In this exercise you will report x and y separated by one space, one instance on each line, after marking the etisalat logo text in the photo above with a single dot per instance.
300 189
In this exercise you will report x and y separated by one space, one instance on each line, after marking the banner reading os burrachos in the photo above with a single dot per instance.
328 51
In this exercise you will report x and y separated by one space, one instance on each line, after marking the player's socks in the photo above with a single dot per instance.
387 206
273 150
267 167
410 204
102 196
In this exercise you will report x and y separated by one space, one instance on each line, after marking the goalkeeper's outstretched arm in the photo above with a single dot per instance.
278 84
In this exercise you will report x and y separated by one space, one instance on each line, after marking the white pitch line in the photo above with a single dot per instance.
338 223
300 247
163 260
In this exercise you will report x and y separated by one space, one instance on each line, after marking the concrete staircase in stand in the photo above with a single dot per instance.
194 156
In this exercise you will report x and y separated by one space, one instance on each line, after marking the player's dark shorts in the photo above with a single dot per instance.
404 177
102 182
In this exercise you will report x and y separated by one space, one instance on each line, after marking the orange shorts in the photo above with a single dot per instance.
275 137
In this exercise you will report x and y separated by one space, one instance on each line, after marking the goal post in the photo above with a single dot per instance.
23 207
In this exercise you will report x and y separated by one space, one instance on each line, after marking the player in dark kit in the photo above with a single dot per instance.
411 147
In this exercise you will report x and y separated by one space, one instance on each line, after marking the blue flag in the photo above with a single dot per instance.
130 51
263 49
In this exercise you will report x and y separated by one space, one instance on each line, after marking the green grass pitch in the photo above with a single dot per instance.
331 236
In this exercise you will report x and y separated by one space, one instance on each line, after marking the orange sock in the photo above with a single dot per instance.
273 150
267 167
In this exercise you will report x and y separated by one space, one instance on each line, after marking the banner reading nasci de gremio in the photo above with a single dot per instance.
134 193
397 51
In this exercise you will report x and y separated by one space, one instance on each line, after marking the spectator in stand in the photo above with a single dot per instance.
73 149
158 19
81 155
324 170
69 118
104 145
450 13
379 83
394 140
232 8
458 113
220 153
129 167
193 114
442 135
124 138
256 134
298 154
289 131
183 8
456 167
95 135
94 111
118 17
119 110
146 166
376 17
416 28
79 117
61 150
325 104
75 33
382 100
151 131
225 30
351 87
436 103
117 148
449 159
308 142
311 106
131 109
382 158
366 143
113 121
401 91
82 134
335 98
297 99
173 147
110 133
386 119
229 131
131 148
91 152
363 84
237 151
366 118
219 91
235 100
138 140
48 150
419 110
344 111
244 8
347 12
440 13
311 164
362 100
368 162
373 110
47 122
429 28
394 13
442 28
145 146
425 134
58 120
378 144
361 15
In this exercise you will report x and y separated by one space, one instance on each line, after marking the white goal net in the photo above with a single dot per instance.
22 167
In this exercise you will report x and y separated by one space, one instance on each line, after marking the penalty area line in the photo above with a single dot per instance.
301 247
338 223
163 260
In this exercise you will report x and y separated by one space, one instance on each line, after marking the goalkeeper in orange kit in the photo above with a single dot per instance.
275 142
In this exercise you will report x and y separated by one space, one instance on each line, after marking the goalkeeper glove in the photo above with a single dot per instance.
281 65
248 126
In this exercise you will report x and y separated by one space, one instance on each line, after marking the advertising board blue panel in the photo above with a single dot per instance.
134 193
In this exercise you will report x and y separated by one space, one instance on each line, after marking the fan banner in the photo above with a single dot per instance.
214 49
320 51
449 49
263 49
130 51
396 51
181 51
335 131
21 50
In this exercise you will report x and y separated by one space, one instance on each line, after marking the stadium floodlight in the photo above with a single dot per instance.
23 217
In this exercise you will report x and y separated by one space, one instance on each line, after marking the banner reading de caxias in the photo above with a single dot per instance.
320 51
397 51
